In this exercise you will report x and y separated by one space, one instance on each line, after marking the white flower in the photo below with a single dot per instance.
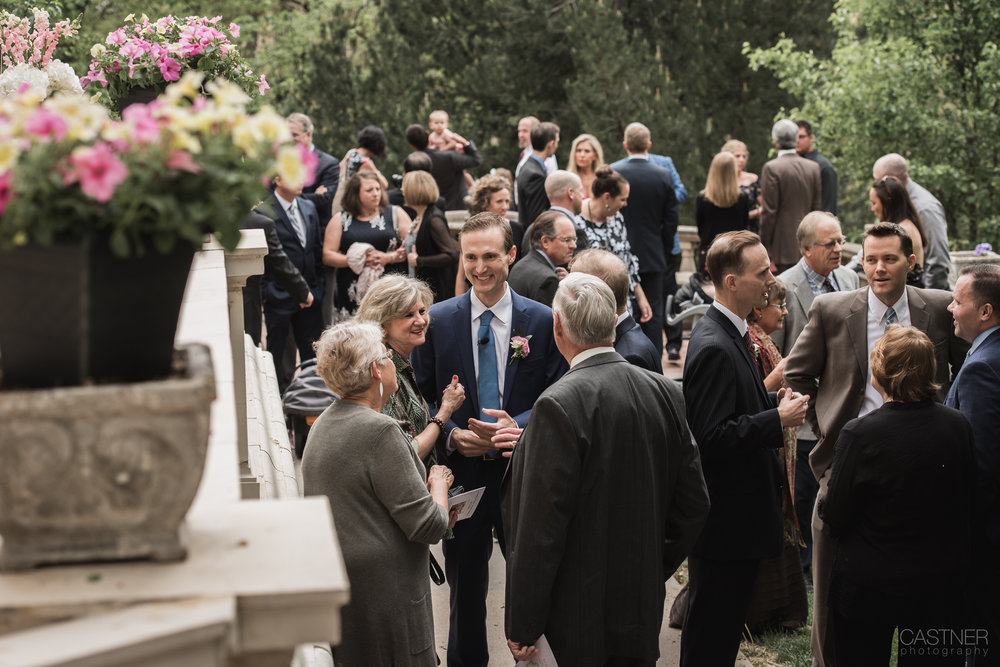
13 78
62 78
97 50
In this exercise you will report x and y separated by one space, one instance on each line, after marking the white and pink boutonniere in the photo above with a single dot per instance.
519 348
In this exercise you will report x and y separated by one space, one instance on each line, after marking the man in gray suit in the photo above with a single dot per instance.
818 272
790 188
830 363
937 256
537 274
604 487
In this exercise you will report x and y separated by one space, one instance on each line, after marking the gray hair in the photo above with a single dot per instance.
302 121
586 308
785 134
344 356
392 297
806 233
559 182
891 164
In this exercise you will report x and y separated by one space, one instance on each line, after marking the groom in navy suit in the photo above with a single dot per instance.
298 228
500 346
975 307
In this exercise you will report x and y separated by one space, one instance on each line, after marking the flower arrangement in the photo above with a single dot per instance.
26 47
151 54
171 170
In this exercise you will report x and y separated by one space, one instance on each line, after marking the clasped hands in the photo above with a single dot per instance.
483 437
792 407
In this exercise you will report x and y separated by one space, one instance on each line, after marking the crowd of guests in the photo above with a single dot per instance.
823 432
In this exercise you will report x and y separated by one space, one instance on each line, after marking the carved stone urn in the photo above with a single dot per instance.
104 472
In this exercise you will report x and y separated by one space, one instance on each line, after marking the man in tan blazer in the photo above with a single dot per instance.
790 188
829 362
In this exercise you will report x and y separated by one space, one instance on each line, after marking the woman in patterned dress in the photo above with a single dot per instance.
602 222
748 181
399 304
366 218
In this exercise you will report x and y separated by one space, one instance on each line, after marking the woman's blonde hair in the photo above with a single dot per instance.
391 297
734 145
903 363
420 189
594 143
344 356
722 187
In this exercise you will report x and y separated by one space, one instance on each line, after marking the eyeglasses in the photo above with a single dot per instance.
387 355
779 306
566 239
830 244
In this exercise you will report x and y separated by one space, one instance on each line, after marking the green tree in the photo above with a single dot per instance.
923 81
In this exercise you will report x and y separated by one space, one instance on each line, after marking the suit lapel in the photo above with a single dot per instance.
281 218
460 329
805 296
857 329
919 317
519 325
738 341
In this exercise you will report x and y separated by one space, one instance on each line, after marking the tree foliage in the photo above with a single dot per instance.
922 80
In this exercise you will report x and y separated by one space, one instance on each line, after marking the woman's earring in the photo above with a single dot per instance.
607 207
381 390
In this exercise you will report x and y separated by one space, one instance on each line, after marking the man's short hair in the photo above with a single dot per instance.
558 182
372 138
487 220
637 138
785 134
420 189
416 136
608 267
586 309
544 226
725 255
891 164
417 161
985 285
542 134
806 233
883 230
903 362
804 124
302 121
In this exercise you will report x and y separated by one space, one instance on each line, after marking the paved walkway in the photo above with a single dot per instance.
670 639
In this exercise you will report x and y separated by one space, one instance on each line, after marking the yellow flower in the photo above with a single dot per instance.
245 139
189 85
144 18
8 155
97 50
129 18
227 93
269 126
290 168
83 118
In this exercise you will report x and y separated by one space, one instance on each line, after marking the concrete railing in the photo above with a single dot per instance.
272 461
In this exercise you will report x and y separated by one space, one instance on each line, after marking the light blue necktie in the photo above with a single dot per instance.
297 224
489 387
890 318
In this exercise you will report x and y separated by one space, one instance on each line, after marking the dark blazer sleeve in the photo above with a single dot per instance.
670 219
837 509
328 175
276 262
437 230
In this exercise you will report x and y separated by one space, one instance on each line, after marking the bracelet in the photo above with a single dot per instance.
440 424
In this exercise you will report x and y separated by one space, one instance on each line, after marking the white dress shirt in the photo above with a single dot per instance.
876 327
503 311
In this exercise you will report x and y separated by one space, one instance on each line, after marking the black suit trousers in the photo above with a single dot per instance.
652 283
307 326
717 610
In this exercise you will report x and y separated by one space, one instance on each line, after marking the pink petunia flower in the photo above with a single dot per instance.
144 129
117 37
262 85
99 170
310 161
5 190
45 124
234 30
181 160
170 69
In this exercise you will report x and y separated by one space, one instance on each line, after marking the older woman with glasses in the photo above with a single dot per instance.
378 490
779 597
900 503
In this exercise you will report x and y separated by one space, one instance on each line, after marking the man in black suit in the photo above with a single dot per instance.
276 264
651 222
737 426
447 166
630 341
324 186
603 499
298 229
537 274
531 196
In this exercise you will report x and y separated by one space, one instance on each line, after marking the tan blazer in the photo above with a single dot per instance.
790 188
829 361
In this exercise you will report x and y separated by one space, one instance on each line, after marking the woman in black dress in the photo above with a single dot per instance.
366 218
720 207
900 504
430 249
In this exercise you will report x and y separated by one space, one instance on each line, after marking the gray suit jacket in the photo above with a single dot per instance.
830 359
603 500
533 277
790 188
937 256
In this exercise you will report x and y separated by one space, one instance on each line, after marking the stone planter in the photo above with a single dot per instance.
962 258
104 472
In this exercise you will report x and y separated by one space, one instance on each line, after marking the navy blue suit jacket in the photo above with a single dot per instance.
328 174
651 214
976 393
635 346
448 351
531 198
736 425
308 260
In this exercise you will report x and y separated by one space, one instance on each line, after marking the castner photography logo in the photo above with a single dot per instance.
944 642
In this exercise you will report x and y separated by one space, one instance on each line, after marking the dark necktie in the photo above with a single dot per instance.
827 286
890 318
489 385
